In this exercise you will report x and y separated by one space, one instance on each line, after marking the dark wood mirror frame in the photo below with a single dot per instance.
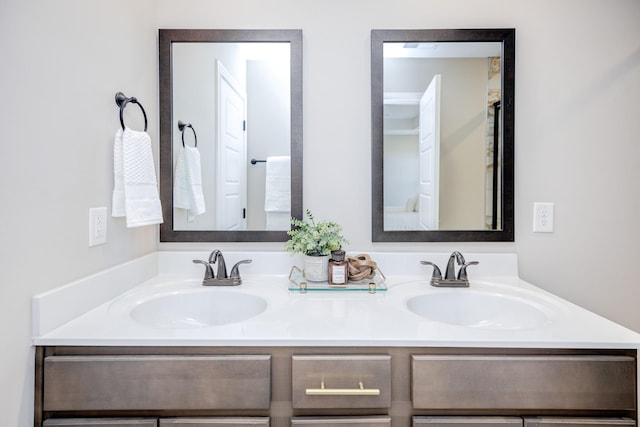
166 38
505 36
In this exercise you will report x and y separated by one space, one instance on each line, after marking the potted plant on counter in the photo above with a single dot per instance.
315 241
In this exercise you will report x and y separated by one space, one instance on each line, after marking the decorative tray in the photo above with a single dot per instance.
297 282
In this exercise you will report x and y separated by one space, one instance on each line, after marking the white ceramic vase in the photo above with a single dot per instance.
316 268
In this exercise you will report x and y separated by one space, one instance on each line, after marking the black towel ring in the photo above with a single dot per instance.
181 126
122 101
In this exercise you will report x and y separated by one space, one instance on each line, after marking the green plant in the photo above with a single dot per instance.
314 238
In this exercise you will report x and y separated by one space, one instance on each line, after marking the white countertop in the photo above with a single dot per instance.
306 319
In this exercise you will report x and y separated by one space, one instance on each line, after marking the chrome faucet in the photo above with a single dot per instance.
220 278
450 279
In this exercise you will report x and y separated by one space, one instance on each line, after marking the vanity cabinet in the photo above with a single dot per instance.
317 386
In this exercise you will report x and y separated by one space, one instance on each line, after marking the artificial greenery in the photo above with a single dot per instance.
314 239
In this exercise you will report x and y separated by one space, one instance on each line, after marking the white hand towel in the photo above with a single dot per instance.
135 193
278 220
187 188
278 184
277 203
117 201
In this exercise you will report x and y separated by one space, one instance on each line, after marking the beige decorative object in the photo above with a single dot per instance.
361 267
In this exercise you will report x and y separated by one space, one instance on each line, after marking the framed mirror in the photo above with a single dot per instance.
442 135
230 109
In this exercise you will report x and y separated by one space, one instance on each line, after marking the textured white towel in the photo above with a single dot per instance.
135 191
277 197
278 220
277 200
117 203
187 183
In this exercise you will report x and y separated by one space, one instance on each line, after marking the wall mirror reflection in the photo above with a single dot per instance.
442 136
232 171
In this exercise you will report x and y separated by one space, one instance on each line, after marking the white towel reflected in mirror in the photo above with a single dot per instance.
277 200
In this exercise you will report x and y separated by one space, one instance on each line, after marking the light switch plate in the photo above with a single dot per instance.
97 226
542 217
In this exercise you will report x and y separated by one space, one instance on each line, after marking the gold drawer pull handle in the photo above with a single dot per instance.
361 391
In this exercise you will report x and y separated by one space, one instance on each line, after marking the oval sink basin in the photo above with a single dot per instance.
484 309
197 309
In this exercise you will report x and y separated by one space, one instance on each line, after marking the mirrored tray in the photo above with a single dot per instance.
297 282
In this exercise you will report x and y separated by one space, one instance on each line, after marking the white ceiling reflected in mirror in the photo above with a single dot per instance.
240 92
442 137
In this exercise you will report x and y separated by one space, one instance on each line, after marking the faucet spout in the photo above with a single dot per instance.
456 257
217 258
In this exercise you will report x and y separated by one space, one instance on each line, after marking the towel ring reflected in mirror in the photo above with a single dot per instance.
122 101
181 126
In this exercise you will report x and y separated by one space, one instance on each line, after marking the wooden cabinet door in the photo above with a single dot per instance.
341 422
215 422
95 383
341 381
467 421
562 382
97 422
577 422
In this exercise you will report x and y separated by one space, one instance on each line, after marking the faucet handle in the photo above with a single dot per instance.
235 271
462 273
437 274
208 270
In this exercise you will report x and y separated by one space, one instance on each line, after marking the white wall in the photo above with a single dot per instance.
577 128
62 63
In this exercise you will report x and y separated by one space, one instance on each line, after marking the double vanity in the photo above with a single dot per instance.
145 344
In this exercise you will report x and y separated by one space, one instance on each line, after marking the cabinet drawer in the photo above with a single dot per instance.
577 422
341 421
467 421
215 422
524 382
80 383
341 381
96 422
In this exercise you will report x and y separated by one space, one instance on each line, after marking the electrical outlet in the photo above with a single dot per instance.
542 217
97 226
